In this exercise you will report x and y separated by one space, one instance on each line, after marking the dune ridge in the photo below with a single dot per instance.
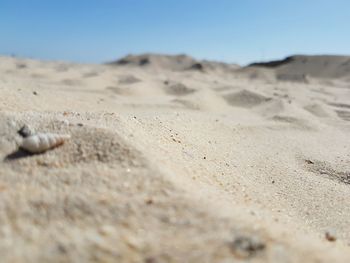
300 66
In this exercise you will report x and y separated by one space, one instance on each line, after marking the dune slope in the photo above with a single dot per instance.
170 161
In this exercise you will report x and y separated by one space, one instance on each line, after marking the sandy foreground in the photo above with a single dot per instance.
175 160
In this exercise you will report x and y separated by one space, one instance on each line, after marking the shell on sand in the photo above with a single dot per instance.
41 142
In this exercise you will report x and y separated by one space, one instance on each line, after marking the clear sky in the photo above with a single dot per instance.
239 31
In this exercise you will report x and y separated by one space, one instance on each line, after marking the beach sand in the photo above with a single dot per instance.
177 160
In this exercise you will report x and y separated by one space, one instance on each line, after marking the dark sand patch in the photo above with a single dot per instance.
245 98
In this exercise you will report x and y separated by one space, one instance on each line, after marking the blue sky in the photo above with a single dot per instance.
239 31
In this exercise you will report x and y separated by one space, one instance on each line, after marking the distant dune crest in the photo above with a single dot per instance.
298 68
172 62
324 66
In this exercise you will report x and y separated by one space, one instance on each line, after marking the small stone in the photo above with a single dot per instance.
309 162
330 236
246 247
35 93
61 249
149 201
150 260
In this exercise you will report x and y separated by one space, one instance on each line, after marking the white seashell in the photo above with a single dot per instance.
41 142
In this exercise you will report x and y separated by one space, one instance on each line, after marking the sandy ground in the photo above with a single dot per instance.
172 160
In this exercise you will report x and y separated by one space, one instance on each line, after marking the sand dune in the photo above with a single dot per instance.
172 159
298 68
174 63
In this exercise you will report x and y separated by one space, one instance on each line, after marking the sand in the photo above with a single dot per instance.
176 160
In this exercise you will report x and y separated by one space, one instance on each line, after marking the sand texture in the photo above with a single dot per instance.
176 160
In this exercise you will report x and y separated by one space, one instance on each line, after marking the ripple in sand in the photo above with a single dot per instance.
120 91
245 98
128 79
187 104
178 89
326 170
72 82
345 115
90 74
319 110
